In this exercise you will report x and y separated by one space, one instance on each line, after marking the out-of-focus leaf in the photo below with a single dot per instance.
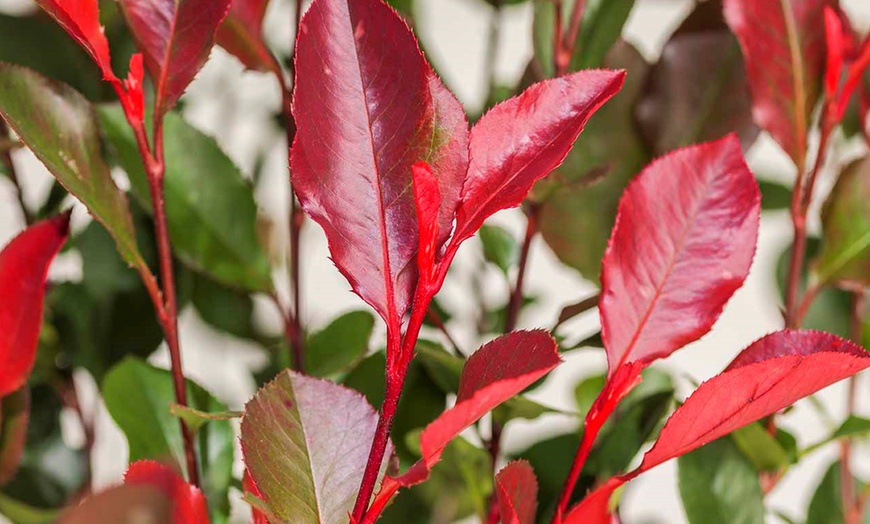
719 485
14 415
499 247
122 504
138 397
761 448
175 38
826 506
845 252
547 457
852 427
188 502
576 220
599 31
21 513
60 127
520 407
210 207
296 447
698 90
241 34
683 243
421 402
784 47
195 419
517 491
774 196
340 345
224 308
24 264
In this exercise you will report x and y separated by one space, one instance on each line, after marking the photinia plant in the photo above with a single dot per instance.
633 173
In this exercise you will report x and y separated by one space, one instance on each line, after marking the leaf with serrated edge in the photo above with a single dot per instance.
683 242
305 444
517 492
241 34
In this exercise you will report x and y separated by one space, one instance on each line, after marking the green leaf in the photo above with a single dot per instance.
761 448
14 414
718 484
499 247
340 345
548 458
138 397
826 506
576 218
600 29
196 419
845 253
224 308
421 402
852 427
520 407
301 441
210 207
21 513
774 196
59 126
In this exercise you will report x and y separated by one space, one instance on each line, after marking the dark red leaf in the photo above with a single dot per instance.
771 374
188 502
428 199
784 47
523 139
368 107
493 374
517 492
683 242
242 36
175 37
24 264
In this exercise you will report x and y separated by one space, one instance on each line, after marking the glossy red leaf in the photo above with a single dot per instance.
241 34
368 107
523 139
493 374
188 502
24 264
783 43
771 374
517 492
428 199
683 242
176 37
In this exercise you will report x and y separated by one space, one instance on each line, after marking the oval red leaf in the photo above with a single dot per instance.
24 264
683 242
517 492
188 502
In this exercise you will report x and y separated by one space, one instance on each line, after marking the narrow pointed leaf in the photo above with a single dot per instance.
367 107
188 502
493 374
14 417
81 19
517 492
241 34
523 139
771 374
175 37
783 42
683 242
428 200
60 127
305 442
24 264
845 254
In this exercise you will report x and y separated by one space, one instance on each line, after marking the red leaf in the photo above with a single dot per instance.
838 45
176 37
517 492
249 486
24 264
683 242
242 36
133 97
771 374
188 501
493 374
595 508
81 19
784 47
428 199
523 139
367 107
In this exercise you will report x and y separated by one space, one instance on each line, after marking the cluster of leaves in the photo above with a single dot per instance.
383 159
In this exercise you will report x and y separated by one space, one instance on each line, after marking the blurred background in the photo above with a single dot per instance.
238 108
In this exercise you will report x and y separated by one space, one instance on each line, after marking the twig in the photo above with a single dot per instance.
852 504
435 319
